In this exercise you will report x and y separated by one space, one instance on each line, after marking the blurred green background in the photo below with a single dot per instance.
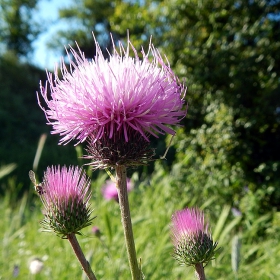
225 156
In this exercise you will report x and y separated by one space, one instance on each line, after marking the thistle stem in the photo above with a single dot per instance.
126 221
199 271
80 255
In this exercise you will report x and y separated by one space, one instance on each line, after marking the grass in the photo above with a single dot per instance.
152 201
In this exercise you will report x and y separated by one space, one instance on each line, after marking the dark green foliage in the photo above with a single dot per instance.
228 51
240 64
22 121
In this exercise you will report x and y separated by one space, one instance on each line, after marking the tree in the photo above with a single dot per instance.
18 30
105 19
228 51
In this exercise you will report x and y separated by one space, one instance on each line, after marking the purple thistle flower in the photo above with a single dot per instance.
96 231
66 194
100 98
110 191
192 241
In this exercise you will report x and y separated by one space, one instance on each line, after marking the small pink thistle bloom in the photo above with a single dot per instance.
100 97
191 238
66 194
110 191
96 231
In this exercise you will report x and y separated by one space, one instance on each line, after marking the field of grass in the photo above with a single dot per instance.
152 201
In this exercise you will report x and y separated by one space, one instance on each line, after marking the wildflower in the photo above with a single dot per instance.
192 241
96 231
115 104
110 191
35 266
236 212
66 200
16 271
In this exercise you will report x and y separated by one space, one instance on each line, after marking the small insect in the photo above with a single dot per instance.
38 187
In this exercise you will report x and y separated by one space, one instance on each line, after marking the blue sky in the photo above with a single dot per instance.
48 12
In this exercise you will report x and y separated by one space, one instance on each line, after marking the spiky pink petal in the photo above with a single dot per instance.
187 222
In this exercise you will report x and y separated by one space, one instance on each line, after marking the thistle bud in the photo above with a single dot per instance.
66 200
192 241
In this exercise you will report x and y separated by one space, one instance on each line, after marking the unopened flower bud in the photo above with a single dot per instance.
192 241
66 200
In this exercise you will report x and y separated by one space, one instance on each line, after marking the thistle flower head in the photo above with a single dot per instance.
101 97
192 241
120 100
66 195
110 191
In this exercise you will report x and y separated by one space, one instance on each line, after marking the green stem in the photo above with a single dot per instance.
199 271
126 221
80 255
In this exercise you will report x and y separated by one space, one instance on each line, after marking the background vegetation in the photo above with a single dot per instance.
225 156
